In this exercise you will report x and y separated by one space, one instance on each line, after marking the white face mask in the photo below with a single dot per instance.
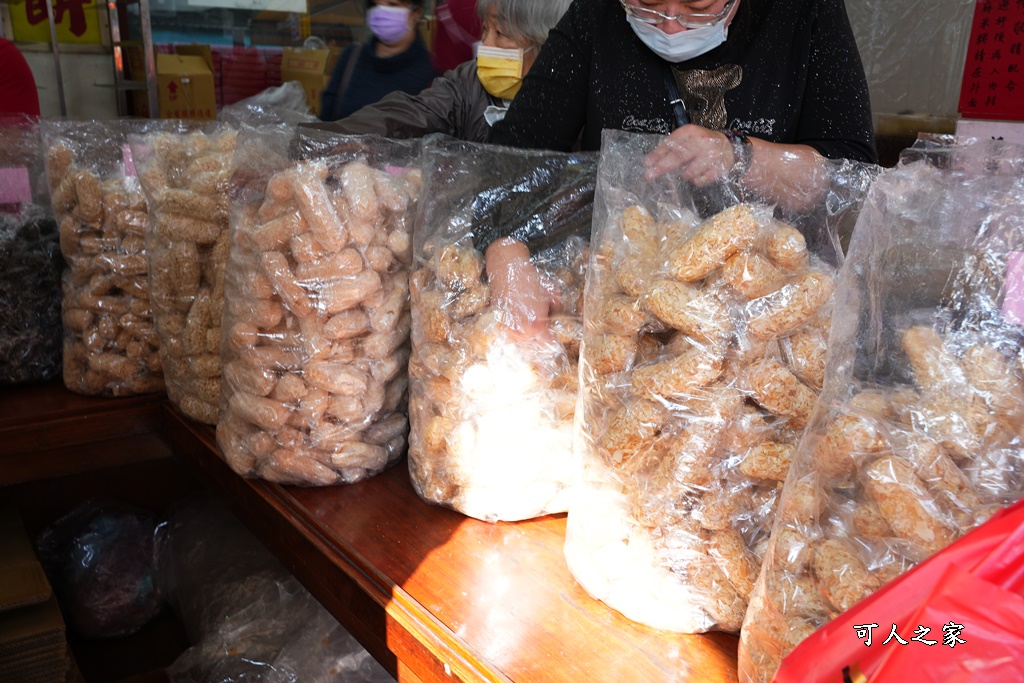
679 47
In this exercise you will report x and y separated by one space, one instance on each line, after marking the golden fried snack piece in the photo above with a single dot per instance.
780 392
868 522
768 460
844 577
342 293
622 315
729 550
335 377
287 466
874 403
458 268
935 369
722 505
316 206
567 331
720 237
786 247
696 367
688 459
992 376
357 181
345 263
632 270
747 429
471 301
848 440
700 314
357 454
723 602
906 504
790 307
691 454
231 439
610 353
951 487
275 266
639 229
266 413
792 549
804 500
961 424
630 428
796 595
279 231
805 352
751 275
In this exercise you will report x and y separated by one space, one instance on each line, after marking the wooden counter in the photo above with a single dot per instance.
433 595
436 596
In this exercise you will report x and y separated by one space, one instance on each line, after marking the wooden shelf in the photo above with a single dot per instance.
436 596
47 431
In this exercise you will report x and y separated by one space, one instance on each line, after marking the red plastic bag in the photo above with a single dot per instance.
971 595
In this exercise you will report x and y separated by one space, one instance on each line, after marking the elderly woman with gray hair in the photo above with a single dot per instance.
467 100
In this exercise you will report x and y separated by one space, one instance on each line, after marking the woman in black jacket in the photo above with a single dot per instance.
394 59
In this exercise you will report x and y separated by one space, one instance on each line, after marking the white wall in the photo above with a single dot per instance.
88 84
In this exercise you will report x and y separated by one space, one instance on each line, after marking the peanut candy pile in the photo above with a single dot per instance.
111 346
898 474
317 325
492 414
186 178
703 356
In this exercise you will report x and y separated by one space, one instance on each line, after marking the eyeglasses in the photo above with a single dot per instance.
691 20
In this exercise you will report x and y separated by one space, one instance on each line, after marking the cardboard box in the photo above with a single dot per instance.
184 79
311 68
22 581
185 83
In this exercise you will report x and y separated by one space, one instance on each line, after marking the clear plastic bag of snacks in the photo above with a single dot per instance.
501 253
30 260
111 347
316 322
918 435
186 175
706 317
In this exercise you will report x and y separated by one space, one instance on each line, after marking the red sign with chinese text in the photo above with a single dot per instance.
993 82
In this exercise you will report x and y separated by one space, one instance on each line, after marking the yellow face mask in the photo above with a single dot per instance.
500 70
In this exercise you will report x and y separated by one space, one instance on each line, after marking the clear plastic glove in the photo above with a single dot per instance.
519 289
699 155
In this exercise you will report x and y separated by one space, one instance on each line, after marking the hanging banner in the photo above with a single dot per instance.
77 21
993 84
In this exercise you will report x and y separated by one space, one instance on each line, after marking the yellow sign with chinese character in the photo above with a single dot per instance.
77 21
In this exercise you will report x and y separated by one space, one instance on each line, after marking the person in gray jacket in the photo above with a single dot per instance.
467 100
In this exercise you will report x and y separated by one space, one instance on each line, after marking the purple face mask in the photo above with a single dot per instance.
389 24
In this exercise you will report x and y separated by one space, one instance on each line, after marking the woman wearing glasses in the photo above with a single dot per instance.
755 90
777 81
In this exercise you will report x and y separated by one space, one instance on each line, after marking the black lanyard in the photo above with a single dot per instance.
678 110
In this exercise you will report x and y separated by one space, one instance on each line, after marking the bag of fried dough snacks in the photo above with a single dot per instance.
111 346
185 175
31 334
495 339
705 321
918 435
316 322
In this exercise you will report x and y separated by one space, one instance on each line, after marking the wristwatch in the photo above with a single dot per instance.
742 152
